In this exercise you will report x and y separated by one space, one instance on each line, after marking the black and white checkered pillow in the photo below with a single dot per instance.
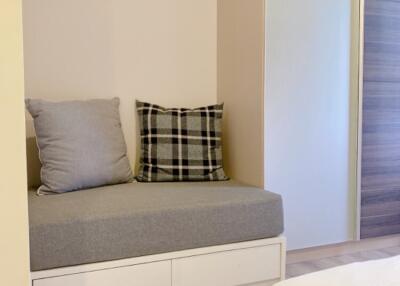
180 144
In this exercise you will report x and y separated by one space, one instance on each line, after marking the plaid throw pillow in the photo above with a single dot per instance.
180 144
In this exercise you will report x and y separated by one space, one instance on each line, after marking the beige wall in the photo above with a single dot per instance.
14 253
241 86
158 51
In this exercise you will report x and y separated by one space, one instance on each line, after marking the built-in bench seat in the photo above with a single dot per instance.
139 219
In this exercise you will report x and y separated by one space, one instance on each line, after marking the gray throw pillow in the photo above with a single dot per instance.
180 144
81 144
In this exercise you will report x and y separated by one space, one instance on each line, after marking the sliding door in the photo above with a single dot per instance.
380 172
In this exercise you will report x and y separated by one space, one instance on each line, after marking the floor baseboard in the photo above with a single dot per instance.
320 252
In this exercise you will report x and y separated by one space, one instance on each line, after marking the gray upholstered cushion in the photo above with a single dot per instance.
81 144
180 144
136 219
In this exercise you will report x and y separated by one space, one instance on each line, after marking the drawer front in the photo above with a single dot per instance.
231 268
150 274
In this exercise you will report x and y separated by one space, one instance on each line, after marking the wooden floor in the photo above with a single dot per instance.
304 267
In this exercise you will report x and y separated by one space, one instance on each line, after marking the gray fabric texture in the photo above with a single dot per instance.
137 219
81 144
180 144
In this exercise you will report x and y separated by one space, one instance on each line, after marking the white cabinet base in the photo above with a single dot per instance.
235 267
149 274
252 263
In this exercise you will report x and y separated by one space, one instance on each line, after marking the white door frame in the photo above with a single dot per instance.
360 113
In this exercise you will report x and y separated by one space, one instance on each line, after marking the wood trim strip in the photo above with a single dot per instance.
360 116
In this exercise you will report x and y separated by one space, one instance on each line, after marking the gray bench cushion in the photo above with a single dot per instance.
137 219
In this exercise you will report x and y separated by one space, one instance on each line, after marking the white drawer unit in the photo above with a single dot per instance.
149 274
252 263
236 267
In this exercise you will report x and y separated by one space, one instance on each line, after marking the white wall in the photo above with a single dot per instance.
308 139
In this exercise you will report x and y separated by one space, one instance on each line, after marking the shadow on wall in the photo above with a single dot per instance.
32 154
33 162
